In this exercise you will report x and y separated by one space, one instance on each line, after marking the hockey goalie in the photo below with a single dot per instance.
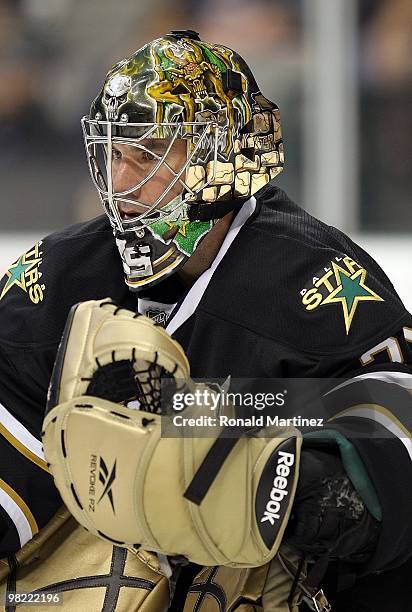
200 267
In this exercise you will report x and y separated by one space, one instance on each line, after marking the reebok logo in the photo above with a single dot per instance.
280 487
107 479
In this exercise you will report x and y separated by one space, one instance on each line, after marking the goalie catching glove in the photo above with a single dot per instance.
215 501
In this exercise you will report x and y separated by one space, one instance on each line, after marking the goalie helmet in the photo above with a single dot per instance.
201 139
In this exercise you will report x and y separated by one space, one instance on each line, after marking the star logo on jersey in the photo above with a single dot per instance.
350 291
24 274
342 282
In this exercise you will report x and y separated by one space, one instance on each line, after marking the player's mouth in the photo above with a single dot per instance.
128 216
129 212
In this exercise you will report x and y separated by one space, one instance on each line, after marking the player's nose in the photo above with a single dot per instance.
125 179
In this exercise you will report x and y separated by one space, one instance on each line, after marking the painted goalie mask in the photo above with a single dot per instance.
178 136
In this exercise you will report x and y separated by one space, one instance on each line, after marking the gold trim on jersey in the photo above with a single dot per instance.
376 407
23 449
21 504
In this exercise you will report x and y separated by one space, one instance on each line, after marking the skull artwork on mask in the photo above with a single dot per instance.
115 95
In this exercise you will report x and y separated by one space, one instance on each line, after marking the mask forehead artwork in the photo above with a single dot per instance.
179 88
115 95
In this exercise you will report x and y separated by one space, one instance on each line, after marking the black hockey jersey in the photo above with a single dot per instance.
286 296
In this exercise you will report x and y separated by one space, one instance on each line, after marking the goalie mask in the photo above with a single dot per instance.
178 136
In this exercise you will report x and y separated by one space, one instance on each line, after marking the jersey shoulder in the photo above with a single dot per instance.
78 263
303 283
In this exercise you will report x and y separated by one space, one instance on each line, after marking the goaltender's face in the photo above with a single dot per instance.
133 164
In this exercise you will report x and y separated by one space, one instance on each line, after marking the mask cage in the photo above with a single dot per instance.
203 139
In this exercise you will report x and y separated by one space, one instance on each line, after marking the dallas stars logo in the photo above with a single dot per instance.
350 290
345 286
24 274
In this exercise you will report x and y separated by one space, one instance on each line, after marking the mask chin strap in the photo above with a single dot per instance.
205 211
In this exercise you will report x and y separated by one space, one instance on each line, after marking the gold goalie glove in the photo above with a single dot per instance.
217 501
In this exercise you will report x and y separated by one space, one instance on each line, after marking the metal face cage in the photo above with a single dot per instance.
203 141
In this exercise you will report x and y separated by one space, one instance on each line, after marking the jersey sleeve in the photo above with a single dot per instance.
28 498
353 326
34 301
373 412
36 295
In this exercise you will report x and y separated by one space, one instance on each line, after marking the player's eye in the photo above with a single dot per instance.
116 154
148 157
